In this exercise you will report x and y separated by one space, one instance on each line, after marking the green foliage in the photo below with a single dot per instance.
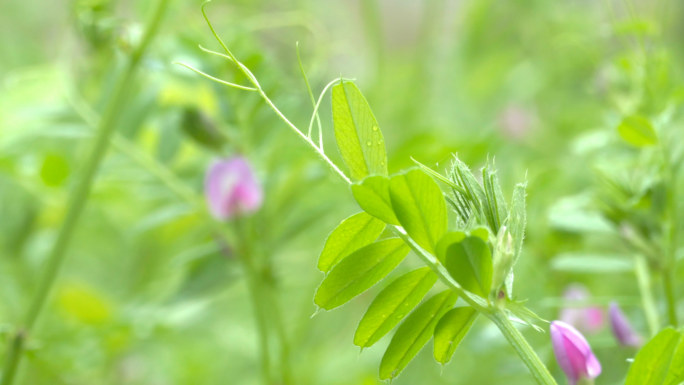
495 206
150 280
359 271
637 131
450 331
392 305
372 194
414 333
358 137
419 206
198 126
469 261
353 233
660 361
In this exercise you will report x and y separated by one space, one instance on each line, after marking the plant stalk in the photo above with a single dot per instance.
643 275
524 350
77 200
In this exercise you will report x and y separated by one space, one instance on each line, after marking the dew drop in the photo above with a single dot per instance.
375 128
369 143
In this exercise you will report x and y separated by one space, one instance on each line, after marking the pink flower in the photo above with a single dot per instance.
231 188
622 330
587 319
573 353
516 121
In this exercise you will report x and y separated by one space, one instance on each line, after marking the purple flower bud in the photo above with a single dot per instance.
573 353
587 319
231 188
622 330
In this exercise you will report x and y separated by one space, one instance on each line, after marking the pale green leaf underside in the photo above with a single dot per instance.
414 333
637 131
420 207
468 260
372 194
359 271
353 233
392 305
450 331
660 361
358 137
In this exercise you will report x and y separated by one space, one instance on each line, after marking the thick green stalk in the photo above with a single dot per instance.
260 314
77 200
643 275
524 350
277 319
671 247
668 286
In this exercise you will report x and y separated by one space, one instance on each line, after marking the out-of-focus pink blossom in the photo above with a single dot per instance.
516 121
573 353
622 330
587 319
231 188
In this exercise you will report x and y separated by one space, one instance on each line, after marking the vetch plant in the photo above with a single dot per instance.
574 354
622 329
470 250
459 225
232 189
589 319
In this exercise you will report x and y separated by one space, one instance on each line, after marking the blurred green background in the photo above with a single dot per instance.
150 295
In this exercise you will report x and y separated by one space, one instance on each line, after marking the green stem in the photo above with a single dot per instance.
524 350
668 286
285 367
78 198
669 265
643 275
260 315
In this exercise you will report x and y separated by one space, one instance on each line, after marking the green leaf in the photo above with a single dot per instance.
202 129
660 361
592 263
450 330
353 233
372 194
637 131
414 333
517 218
468 260
356 131
55 170
495 208
392 305
359 271
420 207
470 196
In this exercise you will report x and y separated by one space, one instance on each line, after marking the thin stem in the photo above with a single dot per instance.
217 80
311 96
524 350
276 315
268 101
668 286
260 314
643 275
12 363
78 198
670 239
